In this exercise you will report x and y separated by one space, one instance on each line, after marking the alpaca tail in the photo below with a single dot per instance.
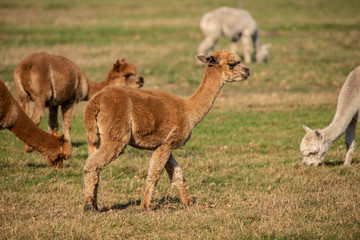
22 76
90 121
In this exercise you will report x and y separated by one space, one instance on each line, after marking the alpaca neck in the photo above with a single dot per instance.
94 87
200 103
29 133
343 116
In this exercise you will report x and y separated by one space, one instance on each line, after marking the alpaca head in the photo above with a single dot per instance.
262 53
313 148
59 152
124 74
232 70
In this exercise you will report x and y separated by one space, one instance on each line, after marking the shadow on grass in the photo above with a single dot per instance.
78 144
339 163
40 165
165 202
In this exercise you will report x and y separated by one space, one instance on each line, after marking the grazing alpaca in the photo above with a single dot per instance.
55 81
152 120
232 23
53 148
316 143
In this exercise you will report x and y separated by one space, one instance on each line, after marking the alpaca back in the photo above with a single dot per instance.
229 22
50 77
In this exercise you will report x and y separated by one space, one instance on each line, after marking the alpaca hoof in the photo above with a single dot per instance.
28 148
67 151
146 207
58 164
89 207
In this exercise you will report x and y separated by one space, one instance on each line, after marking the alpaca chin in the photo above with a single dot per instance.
311 161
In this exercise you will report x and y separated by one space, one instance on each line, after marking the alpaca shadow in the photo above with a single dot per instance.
40 165
339 163
79 144
44 165
164 202
122 206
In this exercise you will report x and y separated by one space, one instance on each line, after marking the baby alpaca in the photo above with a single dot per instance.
152 120
53 81
53 148
316 143
233 23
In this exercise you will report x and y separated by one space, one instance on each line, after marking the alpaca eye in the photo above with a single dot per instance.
232 65
129 75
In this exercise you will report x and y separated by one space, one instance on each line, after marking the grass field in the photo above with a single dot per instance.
242 164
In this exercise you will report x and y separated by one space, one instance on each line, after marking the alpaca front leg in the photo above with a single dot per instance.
246 46
350 141
157 163
177 179
208 44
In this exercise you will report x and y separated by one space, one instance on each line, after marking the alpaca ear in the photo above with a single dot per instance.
117 65
318 134
307 129
211 60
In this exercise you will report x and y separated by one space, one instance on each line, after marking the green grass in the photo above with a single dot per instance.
242 164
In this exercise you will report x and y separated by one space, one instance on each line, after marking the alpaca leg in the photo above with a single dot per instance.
246 45
93 165
53 119
36 116
157 163
208 44
233 46
67 111
177 179
350 141
24 102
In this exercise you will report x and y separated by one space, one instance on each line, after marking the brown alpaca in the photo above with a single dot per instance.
151 120
53 81
53 148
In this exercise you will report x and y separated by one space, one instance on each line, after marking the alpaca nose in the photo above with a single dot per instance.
246 71
141 81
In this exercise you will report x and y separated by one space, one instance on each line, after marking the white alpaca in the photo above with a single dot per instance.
233 23
316 143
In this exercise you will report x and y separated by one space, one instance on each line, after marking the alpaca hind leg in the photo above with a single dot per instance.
24 102
177 179
67 111
53 119
350 141
93 165
157 163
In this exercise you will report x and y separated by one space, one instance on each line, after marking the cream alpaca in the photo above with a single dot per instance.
316 143
152 120
234 24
